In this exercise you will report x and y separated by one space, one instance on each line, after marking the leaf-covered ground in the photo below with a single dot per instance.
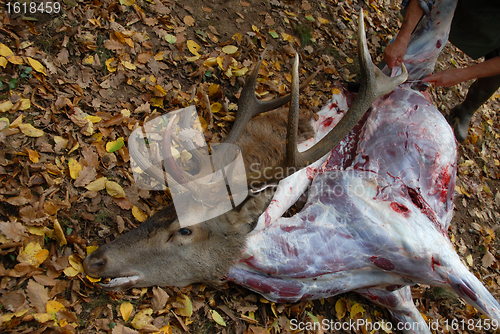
74 84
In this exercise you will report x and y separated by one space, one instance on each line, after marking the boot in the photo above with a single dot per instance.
479 92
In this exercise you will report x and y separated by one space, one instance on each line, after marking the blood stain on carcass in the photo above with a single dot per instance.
327 122
400 208
382 263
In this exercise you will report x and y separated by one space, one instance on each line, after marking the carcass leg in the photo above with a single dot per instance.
400 303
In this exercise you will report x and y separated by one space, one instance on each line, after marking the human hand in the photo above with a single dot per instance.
446 78
394 53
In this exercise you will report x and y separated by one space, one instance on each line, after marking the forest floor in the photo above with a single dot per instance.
75 83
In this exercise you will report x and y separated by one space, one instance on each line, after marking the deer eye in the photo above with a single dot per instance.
185 231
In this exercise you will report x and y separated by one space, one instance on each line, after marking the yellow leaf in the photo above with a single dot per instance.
59 233
93 119
70 272
128 65
109 66
36 230
91 249
33 155
210 62
25 104
30 131
287 37
335 91
160 91
217 317
193 47
322 20
16 60
340 308
6 106
213 89
187 310
193 58
89 60
42 317
230 49
74 168
139 214
470 260
115 145
93 280
76 262
115 190
33 254
254 28
3 61
37 66
349 60
216 107
355 309
5 51
142 319
127 2
240 72
158 56
97 185
126 309
54 306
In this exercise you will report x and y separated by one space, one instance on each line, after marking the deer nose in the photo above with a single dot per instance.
94 264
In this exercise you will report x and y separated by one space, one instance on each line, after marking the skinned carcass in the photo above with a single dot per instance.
376 220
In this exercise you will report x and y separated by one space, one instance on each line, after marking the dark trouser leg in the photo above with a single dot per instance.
479 92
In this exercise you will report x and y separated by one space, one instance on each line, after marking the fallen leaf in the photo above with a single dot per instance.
193 47
33 254
159 300
139 214
115 190
13 231
217 318
340 308
37 66
38 295
126 309
5 51
357 309
30 131
142 320
97 185
230 49
189 20
59 233
74 168
6 106
115 145
187 310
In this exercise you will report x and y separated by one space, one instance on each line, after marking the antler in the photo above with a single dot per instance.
374 84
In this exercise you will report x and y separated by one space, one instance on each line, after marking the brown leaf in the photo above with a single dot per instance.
189 20
120 329
488 259
13 231
37 295
160 298
86 175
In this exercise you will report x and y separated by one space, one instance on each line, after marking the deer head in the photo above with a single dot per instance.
161 252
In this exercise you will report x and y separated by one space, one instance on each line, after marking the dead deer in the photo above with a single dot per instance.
376 219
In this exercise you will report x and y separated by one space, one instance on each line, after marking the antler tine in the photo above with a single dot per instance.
249 105
293 117
148 168
374 84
